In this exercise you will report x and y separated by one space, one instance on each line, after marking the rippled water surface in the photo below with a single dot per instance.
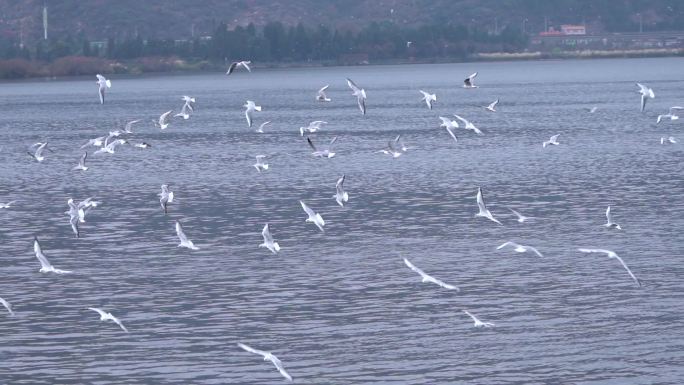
341 307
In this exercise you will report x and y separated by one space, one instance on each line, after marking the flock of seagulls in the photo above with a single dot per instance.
107 144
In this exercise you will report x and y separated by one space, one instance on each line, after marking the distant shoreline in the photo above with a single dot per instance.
177 66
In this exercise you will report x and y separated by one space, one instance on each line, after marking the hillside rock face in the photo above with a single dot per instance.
181 19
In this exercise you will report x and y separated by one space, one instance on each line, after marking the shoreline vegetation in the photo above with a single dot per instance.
16 69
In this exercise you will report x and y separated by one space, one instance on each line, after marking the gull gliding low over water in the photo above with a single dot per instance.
129 126
260 164
609 221
237 64
360 94
250 107
81 163
268 357
427 278
469 125
269 243
483 211
520 248
449 125
340 196
312 127
612 254
104 316
184 241
552 141
6 205
469 81
38 154
428 98
521 218
7 306
260 130
668 140
672 115
321 96
163 122
313 216
646 93
165 197
477 322
102 85
327 153
492 106
45 266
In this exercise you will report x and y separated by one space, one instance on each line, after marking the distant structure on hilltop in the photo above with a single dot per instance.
565 29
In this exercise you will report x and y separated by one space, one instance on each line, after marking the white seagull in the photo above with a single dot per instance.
428 98
668 140
427 278
268 357
592 109
163 120
645 94
81 163
104 316
76 215
360 94
609 221
312 127
45 266
184 241
129 126
449 125
672 115
313 216
260 164
185 112
97 142
268 240
6 205
469 125
492 106
552 141
237 64
340 196
188 99
327 153
261 126
165 197
321 96
478 323
111 146
520 248
38 154
612 254
250 107
468 82
521 218
7 306
484 212
102 84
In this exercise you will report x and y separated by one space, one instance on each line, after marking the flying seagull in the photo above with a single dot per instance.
672 115
468 82
163 120
237 64
104 316
427 278
449 125
184 241
469 125
76 214
327 153
591 110
521 218
250 107
268 240
109 147
340 196
612 254
668 140
313 216
260 164
103 84
428 98
484 212
645 94
45 266
185 112
478 323
97 142
129 126
492 106
7 306
520 248
38 154
312 127
81 163
552 141
165 197
360 94
609 221
261 126
6 205
268 357
321 96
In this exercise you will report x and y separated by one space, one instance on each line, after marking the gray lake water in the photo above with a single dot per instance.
341 307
